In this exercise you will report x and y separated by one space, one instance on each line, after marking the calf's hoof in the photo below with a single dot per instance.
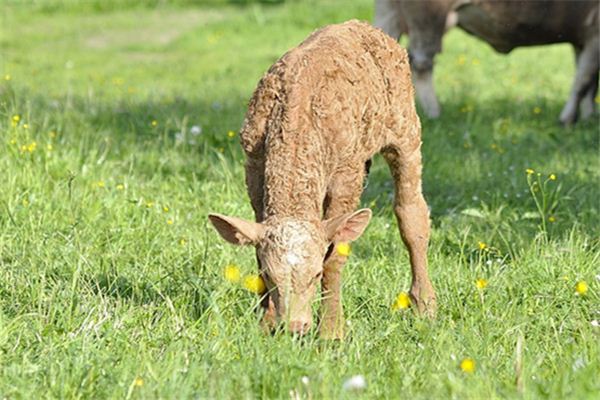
424 301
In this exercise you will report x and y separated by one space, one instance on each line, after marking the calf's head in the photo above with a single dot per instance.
291 253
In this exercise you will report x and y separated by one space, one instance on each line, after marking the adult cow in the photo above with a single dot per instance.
504 24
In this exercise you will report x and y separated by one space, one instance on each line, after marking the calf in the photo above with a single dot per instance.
314 122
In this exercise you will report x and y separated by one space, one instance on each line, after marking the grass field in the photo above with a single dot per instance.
118 134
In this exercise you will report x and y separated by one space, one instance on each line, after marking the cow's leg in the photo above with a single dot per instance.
255 176
342 198
588 103
413 219
388 17
423 80
586 77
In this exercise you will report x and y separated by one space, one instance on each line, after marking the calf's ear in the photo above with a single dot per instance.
236 230
348 227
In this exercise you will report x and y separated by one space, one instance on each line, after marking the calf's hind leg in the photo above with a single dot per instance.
413 220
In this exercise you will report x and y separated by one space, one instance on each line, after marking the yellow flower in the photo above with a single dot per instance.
482 245
49 147
467 365
537 110
170 222
402 302
31 147
231 273
16 118
231 134
7 77
25 202
165 209
138 381
255 284
154 123
529 171
552 177
100 184
13 141
149 204
343 249
182 242
581 288
552 218
25 126
52 134
481 283
120 186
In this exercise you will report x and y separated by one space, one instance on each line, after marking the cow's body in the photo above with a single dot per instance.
505 25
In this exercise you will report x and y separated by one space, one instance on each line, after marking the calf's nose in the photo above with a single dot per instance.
299 327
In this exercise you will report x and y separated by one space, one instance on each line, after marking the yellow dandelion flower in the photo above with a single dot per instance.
49 147
120 186
170 222
7 77
343 249
232 273
482 245
25 202
154 123
402 302
552 218
565 278
165 209
537 110
100 184
581 288
31 147
149 204
467 365
16 118
25 126
23 148
231 134
255 284
529 171
182 242
552 177
13 141
481 283
138 382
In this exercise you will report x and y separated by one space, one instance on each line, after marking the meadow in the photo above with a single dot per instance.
118 135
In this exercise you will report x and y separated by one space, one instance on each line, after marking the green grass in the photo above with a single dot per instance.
97 288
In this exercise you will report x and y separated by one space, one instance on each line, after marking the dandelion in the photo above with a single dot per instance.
552 218
154 123
25 202
100 184
232 273
31 147
7 77
482 245
357 382
255 284
537 110
49 147
581 288
170 221
165 209
196 130
343 249
467 365
138 382
149 204
182 242
13 141
231 134
481 283
120 186
16 118
552 177
402 302
529 171
25 126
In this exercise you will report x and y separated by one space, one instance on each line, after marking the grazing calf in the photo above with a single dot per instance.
314 122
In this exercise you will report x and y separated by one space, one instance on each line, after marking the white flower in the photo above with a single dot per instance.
357 382
305 380
595 323
196 130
